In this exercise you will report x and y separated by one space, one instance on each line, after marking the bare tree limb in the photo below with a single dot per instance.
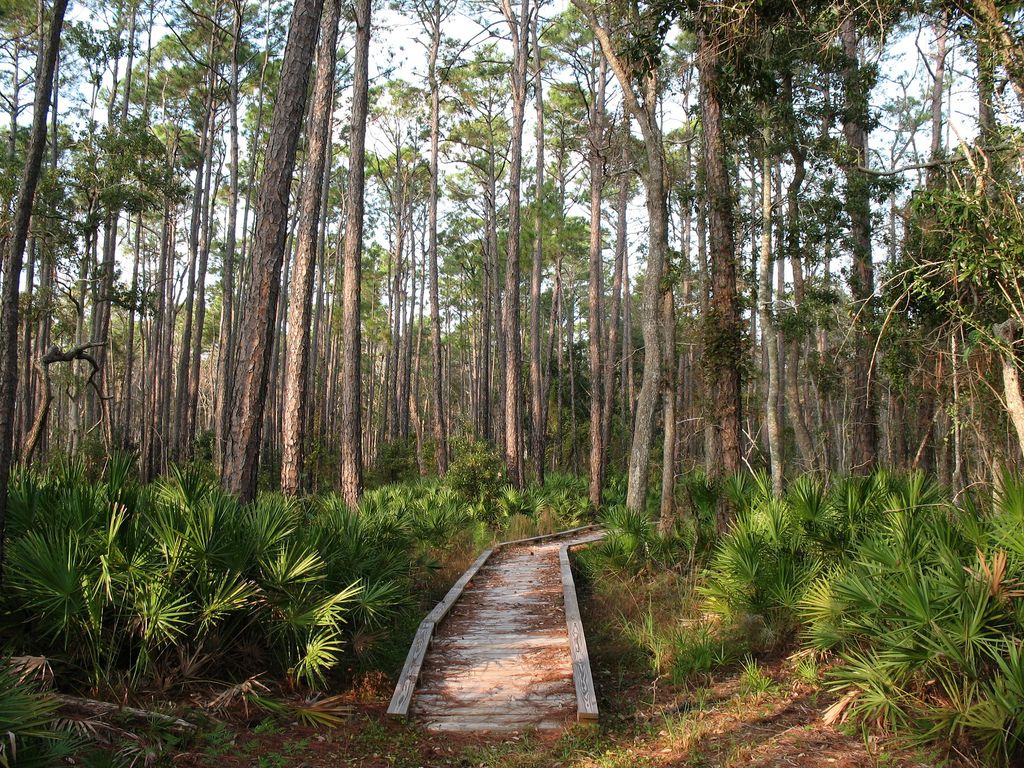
55 355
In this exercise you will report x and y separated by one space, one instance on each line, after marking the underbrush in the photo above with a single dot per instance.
644 600
175 590
904 607
917 603
27 714
125 588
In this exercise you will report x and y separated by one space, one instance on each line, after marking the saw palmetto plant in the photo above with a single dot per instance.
927 619
118 579
30 738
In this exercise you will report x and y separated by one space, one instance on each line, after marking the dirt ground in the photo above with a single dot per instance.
721 724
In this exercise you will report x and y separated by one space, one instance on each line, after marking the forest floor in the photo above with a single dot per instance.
781 727
644 723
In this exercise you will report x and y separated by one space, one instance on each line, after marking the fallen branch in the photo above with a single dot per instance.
100 708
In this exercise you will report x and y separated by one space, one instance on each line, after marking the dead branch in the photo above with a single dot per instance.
101 708
55 355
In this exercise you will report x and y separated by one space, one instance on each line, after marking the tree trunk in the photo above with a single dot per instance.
15 255
351 371
791 375
988 15
613 318
437 385
225 367
711 441
537 394
410 319
723 350
938 85
570 333
646 114
773 416
494 423
862 275
258 315
300 307
519 29
1009 333
667 508
594 312
181 436
192 403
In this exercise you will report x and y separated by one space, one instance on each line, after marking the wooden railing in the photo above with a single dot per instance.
583 679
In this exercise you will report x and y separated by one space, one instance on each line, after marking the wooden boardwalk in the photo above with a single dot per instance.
505 650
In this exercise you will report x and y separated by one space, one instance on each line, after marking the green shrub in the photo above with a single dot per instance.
563 500
510 502
759 573
631 544
121 582
477 472
763 567
927 617
27 720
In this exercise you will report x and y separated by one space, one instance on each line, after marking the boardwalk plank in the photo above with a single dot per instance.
442 608
505 649
411 672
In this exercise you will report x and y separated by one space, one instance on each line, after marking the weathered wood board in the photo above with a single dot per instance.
583 680
505 649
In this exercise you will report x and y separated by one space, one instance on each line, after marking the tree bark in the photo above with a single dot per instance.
769 335
437 369
989 16
225 367
192 403
723 351
351 363
537 394
1008 333
181 435
643 107
614 315
862 276
300 307
15 256
938 88
595 288
791 375
519 29
258 315
667 508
